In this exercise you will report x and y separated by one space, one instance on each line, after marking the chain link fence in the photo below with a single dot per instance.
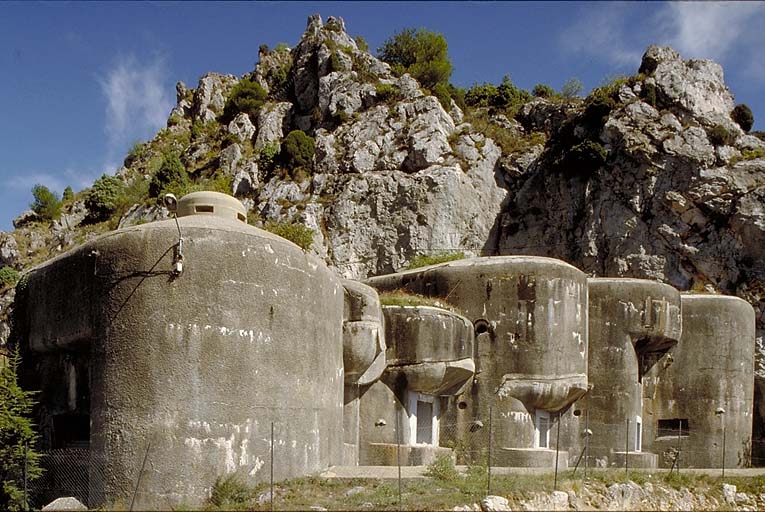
471 446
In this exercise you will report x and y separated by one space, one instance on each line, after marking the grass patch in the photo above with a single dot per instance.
425 260
749 155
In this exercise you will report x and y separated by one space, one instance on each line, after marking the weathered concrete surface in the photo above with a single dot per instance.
194 367
530 458
429 352
632 322
382 454
363 357
711 367
530 317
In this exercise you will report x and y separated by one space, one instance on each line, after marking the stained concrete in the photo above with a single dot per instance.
191 367
630 322
711 367
530 319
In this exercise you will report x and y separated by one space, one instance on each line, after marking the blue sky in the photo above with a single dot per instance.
83 81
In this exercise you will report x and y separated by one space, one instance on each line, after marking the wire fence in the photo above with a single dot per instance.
474 445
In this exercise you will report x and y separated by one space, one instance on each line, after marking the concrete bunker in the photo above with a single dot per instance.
632 322
530 319
197 365
429 358
701 391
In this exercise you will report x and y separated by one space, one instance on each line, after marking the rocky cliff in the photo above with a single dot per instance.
647 177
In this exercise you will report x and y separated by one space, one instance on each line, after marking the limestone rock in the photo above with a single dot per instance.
210 96
696 86
68 503
140 214
9 250
25 218
494 503
272 120
241 127
71 217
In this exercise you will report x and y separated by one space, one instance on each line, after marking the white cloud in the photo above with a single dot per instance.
601 32
712 30
730 33
137 101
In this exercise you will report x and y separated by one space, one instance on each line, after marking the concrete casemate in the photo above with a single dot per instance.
132 356
632 322
701 391
429 357
530 320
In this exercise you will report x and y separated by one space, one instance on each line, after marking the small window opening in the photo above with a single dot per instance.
462 405
638 434
673 427
204 208
241 217
541 429
71 430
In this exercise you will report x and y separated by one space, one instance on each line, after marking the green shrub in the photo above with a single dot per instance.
246 96
46 204
505 96
267 156
720 136
387 92
68 195
585 157
295 232
509 97
572 88
421 53
172 174
648 93
743 116
442 469
543 91
103 198
750 154
230 490
297 149
17 438
335 64
424 260
8 277
137 151
361 43
480 95
442 93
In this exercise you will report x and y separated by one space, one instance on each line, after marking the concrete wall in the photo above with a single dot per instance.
198 365
711 367
531 338
629 320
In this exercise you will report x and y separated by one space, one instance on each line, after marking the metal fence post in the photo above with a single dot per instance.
26 500
398 453
679 433
557 452
587 438
140 474
271 506
488 458
627 449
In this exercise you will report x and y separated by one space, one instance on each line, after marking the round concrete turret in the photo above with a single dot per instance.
212 203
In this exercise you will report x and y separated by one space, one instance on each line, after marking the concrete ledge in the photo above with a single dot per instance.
530 458
384 454
642 460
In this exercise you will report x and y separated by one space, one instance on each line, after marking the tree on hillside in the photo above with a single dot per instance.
46 204
17 436
421 53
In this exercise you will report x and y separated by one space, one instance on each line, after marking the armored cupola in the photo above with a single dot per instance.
211 203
